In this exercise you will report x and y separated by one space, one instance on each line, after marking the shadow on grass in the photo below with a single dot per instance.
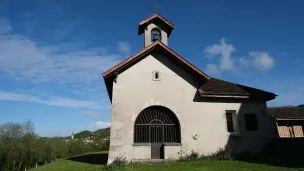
98 158
281 153
280 160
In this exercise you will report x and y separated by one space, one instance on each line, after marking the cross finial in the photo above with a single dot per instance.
154 7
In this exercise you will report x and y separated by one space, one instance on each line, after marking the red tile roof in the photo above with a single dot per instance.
286 112
156 18
217 88
156 15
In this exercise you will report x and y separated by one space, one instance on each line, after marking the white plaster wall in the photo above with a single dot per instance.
135 90
142 152
171 152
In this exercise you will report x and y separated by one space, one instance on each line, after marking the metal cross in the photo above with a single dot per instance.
154 6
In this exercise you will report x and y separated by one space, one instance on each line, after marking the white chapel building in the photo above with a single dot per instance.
161 104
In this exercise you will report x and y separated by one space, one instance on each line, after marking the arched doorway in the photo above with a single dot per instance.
157 125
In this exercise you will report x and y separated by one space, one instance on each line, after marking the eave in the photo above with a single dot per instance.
146 50
158 19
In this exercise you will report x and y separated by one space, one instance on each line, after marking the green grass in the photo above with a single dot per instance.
67 165
207 166
99 152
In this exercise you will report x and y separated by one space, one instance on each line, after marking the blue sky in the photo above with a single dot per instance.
52 52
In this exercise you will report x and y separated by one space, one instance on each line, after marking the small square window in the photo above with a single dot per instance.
231 121
156 75
251 122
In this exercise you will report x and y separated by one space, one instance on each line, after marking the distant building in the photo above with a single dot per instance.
88 140
288 121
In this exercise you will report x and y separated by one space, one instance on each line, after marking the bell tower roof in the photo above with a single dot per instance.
157 19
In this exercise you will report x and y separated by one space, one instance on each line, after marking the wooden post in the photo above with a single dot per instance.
36 165
277 128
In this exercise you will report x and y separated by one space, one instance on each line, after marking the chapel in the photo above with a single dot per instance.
162 105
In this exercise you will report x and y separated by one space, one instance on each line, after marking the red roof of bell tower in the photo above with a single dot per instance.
159 20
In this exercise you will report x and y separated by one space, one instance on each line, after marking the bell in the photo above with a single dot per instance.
155 35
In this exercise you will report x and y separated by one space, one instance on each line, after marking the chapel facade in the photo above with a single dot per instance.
162 104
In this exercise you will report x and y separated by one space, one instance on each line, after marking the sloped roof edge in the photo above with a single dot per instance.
220 88
148 48
155 16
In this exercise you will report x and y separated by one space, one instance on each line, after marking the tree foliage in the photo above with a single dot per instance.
21 148
301 105
100 134
83 134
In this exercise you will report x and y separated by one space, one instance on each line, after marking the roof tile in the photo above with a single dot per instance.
215 86
286 112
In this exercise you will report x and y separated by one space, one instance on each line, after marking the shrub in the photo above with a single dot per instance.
77 147
221 154
184 156
99 145
118 162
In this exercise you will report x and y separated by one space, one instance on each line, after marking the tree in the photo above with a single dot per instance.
16 142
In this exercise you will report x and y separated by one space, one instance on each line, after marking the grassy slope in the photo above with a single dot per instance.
208 166
67 165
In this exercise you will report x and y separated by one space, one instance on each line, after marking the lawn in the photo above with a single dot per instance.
81 165
68 165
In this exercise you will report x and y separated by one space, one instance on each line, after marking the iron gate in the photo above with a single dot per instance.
156 124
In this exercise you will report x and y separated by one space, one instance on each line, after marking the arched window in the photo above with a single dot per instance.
155 35
156 124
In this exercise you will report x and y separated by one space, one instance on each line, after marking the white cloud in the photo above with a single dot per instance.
62 102
23 59
262 60
5 26
124 47
101 124
66 67
224 50
90 115
212 69
243 61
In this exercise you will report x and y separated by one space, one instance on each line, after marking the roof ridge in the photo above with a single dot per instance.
140 51
157 15
151 46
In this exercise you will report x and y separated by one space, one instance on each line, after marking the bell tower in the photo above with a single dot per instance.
155 28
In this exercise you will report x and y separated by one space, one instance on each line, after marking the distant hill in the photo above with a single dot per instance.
301 106
103 133
83 134
100 133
